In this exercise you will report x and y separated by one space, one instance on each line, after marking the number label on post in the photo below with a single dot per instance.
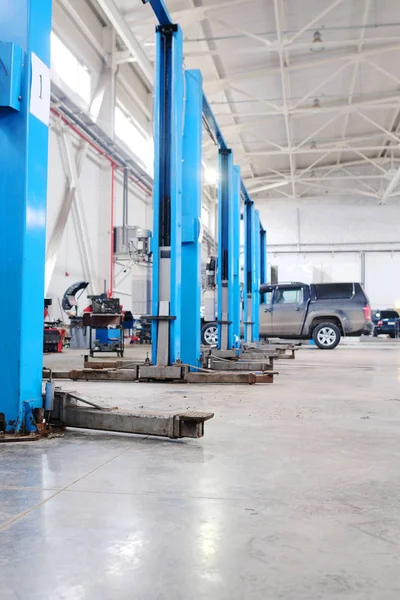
40 90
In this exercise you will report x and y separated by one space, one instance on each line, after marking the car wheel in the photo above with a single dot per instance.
326 336
209 334
375 334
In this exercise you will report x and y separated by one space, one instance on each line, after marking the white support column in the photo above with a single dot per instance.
105 220
78 211
106 114
394 182
285 94
102 111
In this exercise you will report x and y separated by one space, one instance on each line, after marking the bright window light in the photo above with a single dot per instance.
205 217
69 69
141 146
210 176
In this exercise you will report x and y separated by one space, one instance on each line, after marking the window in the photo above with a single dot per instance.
141 146
69 69
387 314
333 291
267 298
289 296
274 274
205 217
265 294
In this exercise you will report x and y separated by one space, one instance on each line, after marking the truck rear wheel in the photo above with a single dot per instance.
209 334
326 336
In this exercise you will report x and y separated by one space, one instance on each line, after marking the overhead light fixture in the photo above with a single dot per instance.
316 103
210 176
270 186
317 44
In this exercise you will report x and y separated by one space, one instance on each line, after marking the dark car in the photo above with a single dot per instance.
386 322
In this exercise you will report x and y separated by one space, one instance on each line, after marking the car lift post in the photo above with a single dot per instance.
25 27
167 195
191 219
226 251
177 200
263 255
251 271
236 257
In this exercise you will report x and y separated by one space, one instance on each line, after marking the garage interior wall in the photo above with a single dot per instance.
309 239
95 191
324 239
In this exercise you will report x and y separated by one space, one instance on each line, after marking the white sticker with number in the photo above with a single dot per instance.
40 90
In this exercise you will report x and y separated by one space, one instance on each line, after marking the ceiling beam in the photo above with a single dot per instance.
211 85
337 148
356 69
285 100
317 19
185 16
382 103
120 25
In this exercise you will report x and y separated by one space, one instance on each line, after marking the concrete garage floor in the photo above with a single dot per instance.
293 493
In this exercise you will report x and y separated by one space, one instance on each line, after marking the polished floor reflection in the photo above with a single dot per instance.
293 493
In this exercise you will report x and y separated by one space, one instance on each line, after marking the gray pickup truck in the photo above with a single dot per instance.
322 312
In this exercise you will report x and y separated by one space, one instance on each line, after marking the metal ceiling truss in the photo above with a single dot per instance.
354 53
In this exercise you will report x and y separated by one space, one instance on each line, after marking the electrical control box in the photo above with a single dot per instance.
11 61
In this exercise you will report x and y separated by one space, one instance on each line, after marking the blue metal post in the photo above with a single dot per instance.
226 252
23 189
167 194
191 219
256 276
235 213
263 256
251 271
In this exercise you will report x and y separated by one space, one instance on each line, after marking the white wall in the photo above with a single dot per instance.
95 195
322 239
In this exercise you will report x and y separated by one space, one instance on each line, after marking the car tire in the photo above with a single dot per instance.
375 333
209 334
326 336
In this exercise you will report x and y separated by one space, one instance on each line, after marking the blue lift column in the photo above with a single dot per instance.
235 212
167 195
25 27
191 219
256 278
263 255
251 271
226 251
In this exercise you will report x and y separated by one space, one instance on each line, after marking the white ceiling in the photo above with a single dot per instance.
319 115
